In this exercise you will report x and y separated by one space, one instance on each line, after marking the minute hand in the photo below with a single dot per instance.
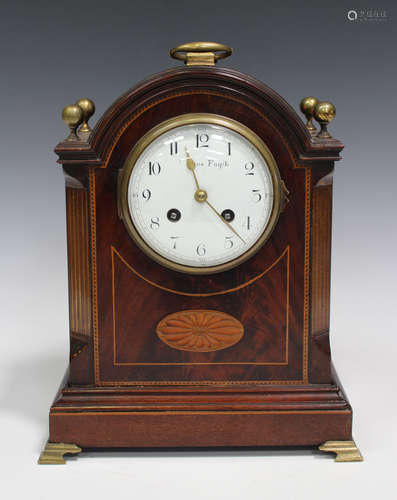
191 165
224 221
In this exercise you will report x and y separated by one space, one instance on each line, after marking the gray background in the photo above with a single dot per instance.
53 53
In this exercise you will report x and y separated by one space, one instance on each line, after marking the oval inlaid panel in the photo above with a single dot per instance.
200 330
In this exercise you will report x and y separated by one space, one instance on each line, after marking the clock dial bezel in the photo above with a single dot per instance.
191 119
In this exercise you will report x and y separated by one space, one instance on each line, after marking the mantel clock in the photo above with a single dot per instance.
199 234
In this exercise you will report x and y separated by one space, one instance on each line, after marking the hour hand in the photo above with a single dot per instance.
191 165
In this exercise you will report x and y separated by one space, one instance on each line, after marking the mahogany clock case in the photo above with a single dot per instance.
125 387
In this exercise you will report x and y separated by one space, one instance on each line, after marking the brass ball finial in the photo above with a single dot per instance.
72 115
324 113
307 106
88 108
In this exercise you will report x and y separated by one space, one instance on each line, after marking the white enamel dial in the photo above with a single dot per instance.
214 228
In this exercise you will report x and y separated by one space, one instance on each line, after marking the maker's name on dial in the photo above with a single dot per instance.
213 163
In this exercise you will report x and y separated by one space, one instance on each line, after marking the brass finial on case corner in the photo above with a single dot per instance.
88 108
307 106
324 113
72 115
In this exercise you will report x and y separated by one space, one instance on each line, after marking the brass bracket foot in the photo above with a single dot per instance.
346 451
53 453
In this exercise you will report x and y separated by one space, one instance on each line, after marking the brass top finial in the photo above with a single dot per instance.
88 108
307 106
324 113
72 115
201 53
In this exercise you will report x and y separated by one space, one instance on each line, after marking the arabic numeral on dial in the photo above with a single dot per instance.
154 168
202 140
173 241
155 223
228 242
173 148
249 168
256 195
201 250
146 194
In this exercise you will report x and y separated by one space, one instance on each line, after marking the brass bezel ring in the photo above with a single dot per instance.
189 119
219 49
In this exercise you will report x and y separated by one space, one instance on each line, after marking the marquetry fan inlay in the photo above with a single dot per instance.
200 330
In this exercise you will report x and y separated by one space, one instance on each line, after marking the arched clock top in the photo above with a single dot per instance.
94 149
